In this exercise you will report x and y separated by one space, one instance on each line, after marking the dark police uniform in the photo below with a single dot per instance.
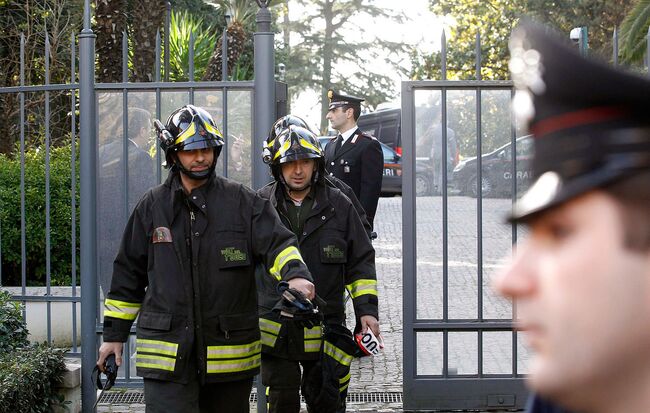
590 123
186 267
359 162
336 248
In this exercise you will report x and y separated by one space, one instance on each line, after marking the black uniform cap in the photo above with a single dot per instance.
338 100
591 122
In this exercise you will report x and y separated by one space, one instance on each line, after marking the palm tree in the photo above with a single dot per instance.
147 17
242 12
634 32
110 24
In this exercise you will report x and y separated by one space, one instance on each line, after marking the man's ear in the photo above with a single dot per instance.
349 113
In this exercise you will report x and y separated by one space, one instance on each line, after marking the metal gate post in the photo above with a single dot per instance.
263 115
264 95
88 172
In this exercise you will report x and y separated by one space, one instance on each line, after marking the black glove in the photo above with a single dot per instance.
110 370
295 306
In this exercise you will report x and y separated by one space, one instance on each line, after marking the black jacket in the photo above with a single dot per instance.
338 253
190 276
538 405
335 182
360 164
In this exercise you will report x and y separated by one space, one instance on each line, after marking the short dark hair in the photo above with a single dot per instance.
356 110
633 195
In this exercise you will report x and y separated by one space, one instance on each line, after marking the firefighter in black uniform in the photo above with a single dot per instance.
283 123
186 269
340 256
354 157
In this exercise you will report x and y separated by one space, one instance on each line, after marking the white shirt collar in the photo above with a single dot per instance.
348 133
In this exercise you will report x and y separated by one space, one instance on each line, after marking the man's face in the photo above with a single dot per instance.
339 117
196 160
297 174
583 300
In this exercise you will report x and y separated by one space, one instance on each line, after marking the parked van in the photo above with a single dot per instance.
385 125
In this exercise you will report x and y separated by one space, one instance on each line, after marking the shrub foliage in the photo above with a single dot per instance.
28 374
35 217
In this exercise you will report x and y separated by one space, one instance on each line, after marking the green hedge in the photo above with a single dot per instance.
60 216
28 374
13 333
28 379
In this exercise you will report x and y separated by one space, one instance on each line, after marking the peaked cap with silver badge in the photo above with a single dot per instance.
591 122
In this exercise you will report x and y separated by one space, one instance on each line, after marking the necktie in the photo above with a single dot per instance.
339 143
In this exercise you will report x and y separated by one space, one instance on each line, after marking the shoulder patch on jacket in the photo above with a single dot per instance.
161 234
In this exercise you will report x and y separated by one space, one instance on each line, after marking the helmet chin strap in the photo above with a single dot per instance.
198 175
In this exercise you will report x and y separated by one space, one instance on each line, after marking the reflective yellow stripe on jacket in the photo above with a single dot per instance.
286 255
312 339
269 331
337 354
121 309
156 354
233 359
361 287
344 382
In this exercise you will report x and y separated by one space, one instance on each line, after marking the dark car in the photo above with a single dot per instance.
391 183
497 174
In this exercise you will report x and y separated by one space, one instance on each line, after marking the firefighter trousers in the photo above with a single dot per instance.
227 397
283 380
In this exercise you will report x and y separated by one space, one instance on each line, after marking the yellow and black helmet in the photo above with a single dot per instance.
278 127
293 144
191 127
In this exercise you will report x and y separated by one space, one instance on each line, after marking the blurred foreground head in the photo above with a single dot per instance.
581 278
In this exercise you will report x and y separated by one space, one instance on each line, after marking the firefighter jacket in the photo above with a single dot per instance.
340 256
186 269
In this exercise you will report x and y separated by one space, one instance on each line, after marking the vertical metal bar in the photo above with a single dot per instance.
615 46
125 163
48 244
263 111
157 78
647 52
445 232
479 205
514 237
191 62
264 94
73 190
88 175
443 54
224 151
513 171
23 235
125 125
409 239
224 55
168 12
478 56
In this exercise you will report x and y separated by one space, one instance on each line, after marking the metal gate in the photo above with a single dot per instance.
460 351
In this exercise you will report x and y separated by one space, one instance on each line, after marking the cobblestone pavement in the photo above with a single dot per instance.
384 373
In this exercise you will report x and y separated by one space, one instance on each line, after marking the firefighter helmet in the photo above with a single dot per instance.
278 127
293 144
188 128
